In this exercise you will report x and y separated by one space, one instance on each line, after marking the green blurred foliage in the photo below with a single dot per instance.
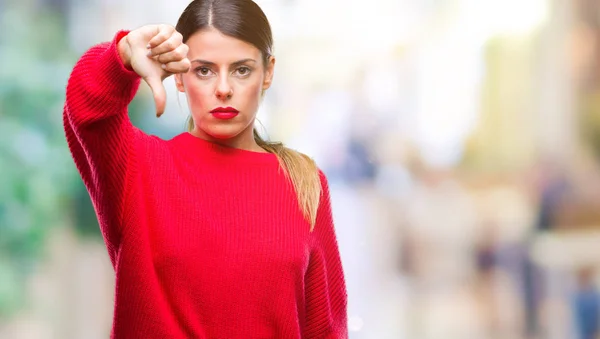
35 169
39 185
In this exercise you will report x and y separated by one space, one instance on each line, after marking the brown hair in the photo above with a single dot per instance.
245 20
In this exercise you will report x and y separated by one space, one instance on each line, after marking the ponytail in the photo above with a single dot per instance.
302 172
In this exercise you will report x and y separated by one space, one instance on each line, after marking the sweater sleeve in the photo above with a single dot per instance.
326 296
99 133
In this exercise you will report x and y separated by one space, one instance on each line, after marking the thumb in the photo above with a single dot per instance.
159 93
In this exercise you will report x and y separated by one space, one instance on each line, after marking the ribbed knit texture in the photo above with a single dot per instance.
206 241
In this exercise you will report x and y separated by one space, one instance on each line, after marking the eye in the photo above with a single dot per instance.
203 71
243 71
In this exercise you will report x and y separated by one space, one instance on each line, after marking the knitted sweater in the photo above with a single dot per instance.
206 241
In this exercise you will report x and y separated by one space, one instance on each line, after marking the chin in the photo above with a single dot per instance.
222 131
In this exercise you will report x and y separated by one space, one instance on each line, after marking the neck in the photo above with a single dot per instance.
244 141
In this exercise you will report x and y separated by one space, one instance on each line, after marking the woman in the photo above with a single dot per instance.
214 233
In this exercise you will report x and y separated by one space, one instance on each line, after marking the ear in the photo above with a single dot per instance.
269 70
179 82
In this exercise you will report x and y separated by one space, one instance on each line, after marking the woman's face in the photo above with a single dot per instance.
224 85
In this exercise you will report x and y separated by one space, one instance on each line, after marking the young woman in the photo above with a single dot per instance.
215 233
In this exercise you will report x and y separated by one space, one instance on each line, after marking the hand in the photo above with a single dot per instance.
155 52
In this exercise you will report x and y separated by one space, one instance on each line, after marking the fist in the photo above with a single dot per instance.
155 52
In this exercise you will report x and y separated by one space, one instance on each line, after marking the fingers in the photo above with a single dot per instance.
175 55
171 52
166 50
162 34
174 67
169 44
159 93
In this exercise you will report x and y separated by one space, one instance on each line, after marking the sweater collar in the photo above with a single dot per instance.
230 154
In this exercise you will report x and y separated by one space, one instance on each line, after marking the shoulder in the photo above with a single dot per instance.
314 171
151 145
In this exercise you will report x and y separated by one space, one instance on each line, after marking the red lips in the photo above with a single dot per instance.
225 112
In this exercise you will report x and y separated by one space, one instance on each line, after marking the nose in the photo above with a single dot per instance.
224 91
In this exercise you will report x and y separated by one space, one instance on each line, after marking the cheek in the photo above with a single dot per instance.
251 92
196 93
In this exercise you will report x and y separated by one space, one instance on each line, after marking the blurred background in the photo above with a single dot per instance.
461 139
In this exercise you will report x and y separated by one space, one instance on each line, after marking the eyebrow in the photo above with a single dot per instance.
210 63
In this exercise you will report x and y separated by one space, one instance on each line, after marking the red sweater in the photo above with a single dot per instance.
206 241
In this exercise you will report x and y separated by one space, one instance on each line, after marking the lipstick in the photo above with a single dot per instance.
224 113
